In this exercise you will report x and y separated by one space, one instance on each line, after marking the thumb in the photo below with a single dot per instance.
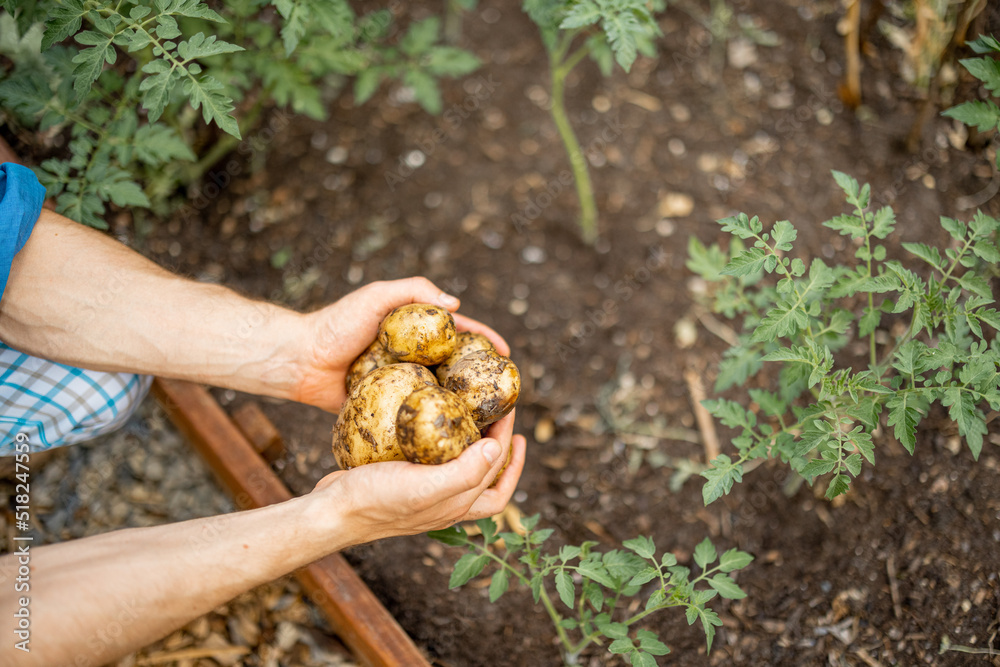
477 462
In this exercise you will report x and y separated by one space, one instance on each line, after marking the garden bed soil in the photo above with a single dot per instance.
909 556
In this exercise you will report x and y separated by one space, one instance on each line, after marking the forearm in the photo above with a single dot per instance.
105 596
78 297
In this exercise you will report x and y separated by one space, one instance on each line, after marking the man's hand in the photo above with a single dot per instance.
397 498
337 334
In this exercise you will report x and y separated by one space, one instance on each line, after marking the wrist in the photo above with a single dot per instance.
267 342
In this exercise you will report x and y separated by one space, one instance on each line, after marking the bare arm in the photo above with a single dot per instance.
102 597
79 297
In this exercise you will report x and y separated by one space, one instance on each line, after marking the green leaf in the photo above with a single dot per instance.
204 93
838 485
709 621
986 251
869 321
366 84
451 61
595 571
741 226
641 545
984 115
883 222
926 253
785 319
847 183
619 646
64 19
565 588
158 86
421 36
730 413
747 263
734 559
704 553
986 70
990 316
904 416
782 235
157 144
568 552
738 364
454 536
610 629
650 643
467 567
425 89
123 193
727 587
963 411
499 584
90 62
200 46
488 529
644 577
719 478
847 225
583 13
640 659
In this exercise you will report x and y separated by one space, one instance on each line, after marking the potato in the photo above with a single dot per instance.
466 342
366 428
434 426
488 383
373 357
419 333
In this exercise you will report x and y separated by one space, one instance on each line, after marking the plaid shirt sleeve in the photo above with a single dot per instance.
21 197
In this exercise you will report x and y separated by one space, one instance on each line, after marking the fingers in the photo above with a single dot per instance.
394 293
493 501
464 323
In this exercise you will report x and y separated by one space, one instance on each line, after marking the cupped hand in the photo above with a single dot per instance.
397 498
337 334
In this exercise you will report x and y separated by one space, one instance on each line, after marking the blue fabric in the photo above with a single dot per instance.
21 197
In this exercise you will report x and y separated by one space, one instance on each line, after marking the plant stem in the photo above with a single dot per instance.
559 69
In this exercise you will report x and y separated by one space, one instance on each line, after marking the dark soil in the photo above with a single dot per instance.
911 555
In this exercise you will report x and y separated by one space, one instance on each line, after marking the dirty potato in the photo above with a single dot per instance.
434 426
419 333
466 342
366 428
488 382
374 357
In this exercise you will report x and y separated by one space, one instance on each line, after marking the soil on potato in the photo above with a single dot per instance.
384 191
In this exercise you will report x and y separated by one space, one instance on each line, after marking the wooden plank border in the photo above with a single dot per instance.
355 613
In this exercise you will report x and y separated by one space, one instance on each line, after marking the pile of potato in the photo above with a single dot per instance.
422 392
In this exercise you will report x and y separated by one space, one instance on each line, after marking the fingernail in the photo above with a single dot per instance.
447 300
491 450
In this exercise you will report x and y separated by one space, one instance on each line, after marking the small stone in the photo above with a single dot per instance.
601 103
824 116
675 205
742 53
517 307
532 254
685 333
336 155
676 147
544 430
680 113
665 227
